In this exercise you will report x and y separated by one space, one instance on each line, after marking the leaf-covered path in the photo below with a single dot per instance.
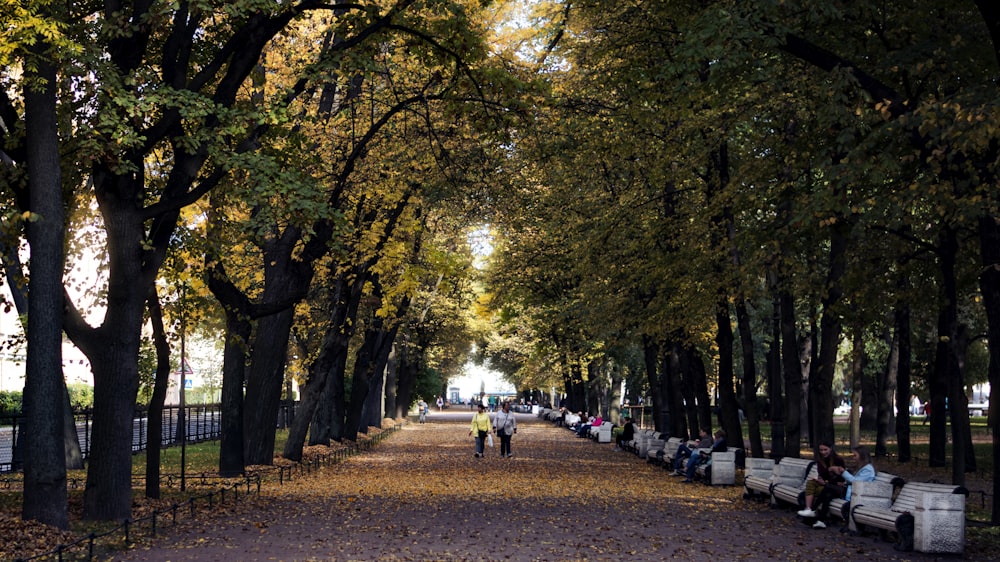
420 495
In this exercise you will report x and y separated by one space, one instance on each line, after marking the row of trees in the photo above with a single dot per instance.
298 177
751 198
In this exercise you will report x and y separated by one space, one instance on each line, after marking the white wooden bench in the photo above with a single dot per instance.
601 433
653 442
790 473
757 477
640 437
665 455
721 470
926 517
883 487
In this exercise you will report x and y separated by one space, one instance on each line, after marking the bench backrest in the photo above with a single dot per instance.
912 492
671 446
761 468
794 472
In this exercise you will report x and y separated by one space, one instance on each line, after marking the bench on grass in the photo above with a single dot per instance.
926 517
790 473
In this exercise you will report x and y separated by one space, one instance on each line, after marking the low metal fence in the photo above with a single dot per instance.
201 423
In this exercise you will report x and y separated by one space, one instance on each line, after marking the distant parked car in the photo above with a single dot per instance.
842 410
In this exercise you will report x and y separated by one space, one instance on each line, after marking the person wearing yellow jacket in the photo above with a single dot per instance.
481 427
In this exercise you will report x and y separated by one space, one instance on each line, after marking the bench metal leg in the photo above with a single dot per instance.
905 528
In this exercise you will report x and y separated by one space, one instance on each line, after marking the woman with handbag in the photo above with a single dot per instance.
480 428
506 425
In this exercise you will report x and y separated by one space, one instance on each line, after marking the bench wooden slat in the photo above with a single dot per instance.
919 507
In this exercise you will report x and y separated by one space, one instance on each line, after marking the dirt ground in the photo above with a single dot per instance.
421 495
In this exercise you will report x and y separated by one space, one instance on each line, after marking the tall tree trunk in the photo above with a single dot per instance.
858 361
821 378
154 421
391 383
775 395
676 424
886 394
901 336
868 415
989 287
700 383
311 393
749 378
792 368
45 497
687 425
650 356
615 393
808 357
234 359
384 337
937 386
729 407
953 338
264 381
407 369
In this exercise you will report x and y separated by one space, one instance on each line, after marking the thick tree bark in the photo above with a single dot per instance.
154 421
234 359
792 369
774 382
857 374
886 394
821 378
699 380
749 378
951 362
989 286
650 355
311 394
263 390
901 337
408 368
43 400
391 382
728 405
686 424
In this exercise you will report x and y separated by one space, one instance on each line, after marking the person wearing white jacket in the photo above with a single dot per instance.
505 424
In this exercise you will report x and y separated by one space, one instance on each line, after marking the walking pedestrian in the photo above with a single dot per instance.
506 426
480 428
422 410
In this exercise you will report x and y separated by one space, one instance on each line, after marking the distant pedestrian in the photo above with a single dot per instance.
505 423
440 403
422 410
481 429
627 434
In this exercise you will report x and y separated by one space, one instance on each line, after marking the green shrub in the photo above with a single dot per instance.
10 403
81 396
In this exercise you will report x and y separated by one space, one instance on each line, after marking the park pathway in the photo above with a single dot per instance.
420 495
